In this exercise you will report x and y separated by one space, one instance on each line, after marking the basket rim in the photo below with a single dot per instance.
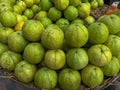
106 83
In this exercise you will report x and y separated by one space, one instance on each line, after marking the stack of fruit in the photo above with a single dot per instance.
57 43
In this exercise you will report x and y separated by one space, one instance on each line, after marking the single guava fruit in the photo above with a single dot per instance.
8 18
32 30
16 42
98 32
52 37
112 21
84 10
45 21
9 60
76 35
4 33
71 13
99 54
25 71
113 43
45 78
69 79
112 68
33 53
63 23
55 59
77 58
54 14
61 4
92 76
45 5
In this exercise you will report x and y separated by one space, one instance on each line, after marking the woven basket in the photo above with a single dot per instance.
8 80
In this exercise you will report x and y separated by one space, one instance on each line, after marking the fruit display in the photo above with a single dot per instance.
59 43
